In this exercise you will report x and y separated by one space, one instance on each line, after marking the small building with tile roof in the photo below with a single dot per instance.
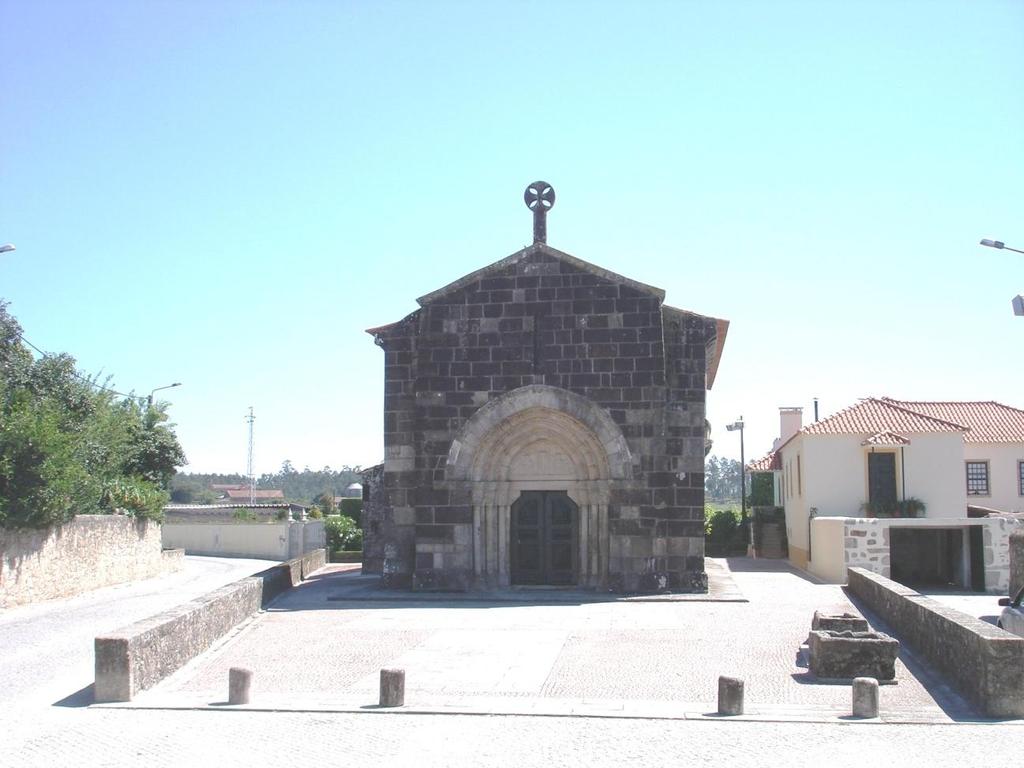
877 459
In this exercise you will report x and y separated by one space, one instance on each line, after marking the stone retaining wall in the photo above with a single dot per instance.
1016 561
142 654
90 552
983 662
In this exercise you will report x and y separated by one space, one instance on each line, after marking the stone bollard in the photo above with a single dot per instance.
865 697
239 685
730 696
392 687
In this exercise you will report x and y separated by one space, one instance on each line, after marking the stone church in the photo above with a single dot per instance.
543 425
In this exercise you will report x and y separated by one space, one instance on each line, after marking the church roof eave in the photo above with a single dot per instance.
518 256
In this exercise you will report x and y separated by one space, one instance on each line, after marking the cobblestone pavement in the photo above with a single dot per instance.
618 683
470 656
46 649
104 737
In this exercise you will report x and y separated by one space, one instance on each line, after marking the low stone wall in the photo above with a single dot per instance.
90 552
1016 561
142 654
985 663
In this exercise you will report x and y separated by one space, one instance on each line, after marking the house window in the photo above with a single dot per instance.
977 478
1020 478
799 478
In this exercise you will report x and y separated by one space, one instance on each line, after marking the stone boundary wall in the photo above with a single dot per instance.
142 654
1016 561
984 663
90 552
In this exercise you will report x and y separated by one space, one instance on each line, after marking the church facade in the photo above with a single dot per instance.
543 425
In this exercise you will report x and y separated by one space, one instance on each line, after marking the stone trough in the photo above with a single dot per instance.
846 654
839 622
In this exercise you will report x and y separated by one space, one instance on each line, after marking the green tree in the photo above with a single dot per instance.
69 444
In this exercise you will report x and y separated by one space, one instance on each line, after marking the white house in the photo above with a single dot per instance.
850 484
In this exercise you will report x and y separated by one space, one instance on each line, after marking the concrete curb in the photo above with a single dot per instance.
142 654
568 708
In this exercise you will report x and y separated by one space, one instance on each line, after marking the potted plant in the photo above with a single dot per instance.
911 507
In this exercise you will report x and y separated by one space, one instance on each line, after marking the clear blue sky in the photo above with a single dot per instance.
227 193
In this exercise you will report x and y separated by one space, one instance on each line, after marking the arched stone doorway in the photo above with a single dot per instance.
539 439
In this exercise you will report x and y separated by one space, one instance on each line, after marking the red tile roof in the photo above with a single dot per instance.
243 493
765 463
988 421
873 415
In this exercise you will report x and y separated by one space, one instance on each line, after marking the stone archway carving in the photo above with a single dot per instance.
538 437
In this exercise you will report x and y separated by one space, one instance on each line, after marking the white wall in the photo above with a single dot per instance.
259 540
834 479
935 474
1002 474
828 559
930 468
274 541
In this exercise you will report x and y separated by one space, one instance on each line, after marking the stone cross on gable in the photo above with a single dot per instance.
540 198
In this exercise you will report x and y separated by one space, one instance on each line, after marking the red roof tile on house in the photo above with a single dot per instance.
873 415
765 463
244 494
988 421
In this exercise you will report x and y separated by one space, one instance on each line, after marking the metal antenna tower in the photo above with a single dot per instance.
252 478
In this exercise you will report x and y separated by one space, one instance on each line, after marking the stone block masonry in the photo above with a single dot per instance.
543 374
90 552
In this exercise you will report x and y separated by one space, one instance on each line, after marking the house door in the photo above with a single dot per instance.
544 538
882 479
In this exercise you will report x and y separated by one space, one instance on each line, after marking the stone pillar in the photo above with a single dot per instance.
865 697
1016 560
392 687
239 685
730 696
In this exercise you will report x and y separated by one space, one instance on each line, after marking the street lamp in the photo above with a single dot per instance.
7 248
1018 300
149 400
738 425
1000 245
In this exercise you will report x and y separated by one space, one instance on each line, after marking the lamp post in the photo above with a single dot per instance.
149 400
1000 245
7 248
1018 300
738 425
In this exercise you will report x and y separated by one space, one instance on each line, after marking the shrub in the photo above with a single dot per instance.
351 508
343 534
136 497
725 532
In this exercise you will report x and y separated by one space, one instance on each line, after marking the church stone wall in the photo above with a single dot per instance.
545 320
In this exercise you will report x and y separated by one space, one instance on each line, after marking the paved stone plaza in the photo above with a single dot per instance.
617 683
614 658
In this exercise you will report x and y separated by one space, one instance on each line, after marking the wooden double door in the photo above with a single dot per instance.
544 539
